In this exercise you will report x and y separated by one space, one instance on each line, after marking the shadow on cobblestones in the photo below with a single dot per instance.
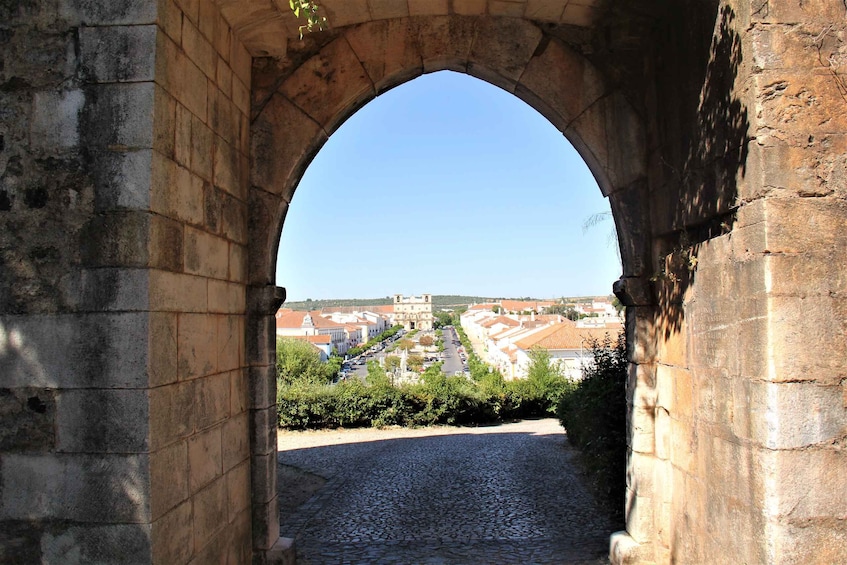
501 495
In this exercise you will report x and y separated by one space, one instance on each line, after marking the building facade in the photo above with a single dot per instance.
413 312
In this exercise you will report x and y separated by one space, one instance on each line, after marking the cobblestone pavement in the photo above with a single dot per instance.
493 495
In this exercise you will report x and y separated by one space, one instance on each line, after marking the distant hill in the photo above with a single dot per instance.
439 301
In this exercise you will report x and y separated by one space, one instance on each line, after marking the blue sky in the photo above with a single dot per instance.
446 185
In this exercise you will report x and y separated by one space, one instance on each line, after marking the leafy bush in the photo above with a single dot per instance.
436 399
298 361
306 400
594 415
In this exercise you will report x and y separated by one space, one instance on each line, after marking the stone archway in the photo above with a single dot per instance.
137 245
295 109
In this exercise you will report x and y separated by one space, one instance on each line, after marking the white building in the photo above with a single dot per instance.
568 346
290 323
413 312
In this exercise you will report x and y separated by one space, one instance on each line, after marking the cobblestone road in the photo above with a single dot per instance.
494 495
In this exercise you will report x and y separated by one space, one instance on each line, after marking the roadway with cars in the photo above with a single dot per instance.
358 366
455 361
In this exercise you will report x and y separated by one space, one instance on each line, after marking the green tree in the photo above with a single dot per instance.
442 319
618 305
298 361
376 375
415 362
564 310
542 369
406 344
392 363
594 416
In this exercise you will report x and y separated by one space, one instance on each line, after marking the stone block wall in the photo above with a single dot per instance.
745 398
74 450
199 408
123 380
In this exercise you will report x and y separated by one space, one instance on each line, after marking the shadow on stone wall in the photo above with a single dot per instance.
701 129
705 186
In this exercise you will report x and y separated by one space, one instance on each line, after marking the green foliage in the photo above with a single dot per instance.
299 362
406 344
618 305
564 310
392 363
441 319
309 10
594 415
436 399
545 384
414 362
377 376
486 397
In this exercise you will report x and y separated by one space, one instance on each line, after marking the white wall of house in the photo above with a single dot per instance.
569 360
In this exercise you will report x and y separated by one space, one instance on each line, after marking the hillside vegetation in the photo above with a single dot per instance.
438 301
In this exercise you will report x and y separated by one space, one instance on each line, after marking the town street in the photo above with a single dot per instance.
452 362
497 495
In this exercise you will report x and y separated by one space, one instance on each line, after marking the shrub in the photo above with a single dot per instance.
594 415
436 399
309 402
298 361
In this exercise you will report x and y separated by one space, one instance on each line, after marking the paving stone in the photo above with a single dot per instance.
506 494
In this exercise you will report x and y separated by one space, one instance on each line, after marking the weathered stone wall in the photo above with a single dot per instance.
747 203
790 397
199 412
123 384
74 453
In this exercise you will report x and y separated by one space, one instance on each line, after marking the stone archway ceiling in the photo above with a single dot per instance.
265 26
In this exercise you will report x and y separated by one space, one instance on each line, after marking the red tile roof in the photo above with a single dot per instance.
325 323
378 309
564 335
486 306
500 320
521 305
286 318
322 339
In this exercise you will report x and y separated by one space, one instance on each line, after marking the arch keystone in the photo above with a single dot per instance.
388 51
444 42
504 44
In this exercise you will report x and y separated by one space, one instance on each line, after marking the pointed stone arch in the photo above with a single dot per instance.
297 107
296 110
